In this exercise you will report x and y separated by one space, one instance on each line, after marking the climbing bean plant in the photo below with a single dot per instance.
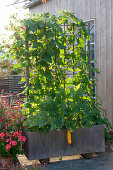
51 52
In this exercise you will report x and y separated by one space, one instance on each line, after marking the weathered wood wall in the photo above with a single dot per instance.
11 84
54 143
102 12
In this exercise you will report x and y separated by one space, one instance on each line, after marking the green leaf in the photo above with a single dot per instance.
60 159
17 65
2 57
23 79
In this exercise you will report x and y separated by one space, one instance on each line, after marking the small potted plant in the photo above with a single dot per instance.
11 138
10 146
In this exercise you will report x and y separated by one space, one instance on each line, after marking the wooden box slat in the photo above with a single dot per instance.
54 143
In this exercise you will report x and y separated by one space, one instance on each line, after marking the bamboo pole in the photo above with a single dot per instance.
27 67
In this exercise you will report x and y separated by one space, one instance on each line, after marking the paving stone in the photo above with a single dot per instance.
102 161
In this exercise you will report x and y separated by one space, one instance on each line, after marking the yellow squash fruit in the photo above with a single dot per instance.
69 136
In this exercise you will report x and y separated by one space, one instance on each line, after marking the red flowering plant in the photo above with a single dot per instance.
109 136
11 126
11 143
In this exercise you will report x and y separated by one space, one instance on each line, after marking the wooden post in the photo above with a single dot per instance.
89 52
27 67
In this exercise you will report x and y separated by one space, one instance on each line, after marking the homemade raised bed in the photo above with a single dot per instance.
54 143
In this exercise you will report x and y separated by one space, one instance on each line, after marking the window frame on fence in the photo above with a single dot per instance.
92 43
88 45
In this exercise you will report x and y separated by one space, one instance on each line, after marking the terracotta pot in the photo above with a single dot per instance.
5 163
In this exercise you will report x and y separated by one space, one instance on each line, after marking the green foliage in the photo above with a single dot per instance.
60 159
60 91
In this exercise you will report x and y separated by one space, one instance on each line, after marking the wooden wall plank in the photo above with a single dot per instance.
61 5
97 41
70 5
76 8
53 6
82 9
108 61
92 9
102 35
86 10
112 58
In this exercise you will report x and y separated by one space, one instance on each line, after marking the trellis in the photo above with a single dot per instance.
52 52
89 48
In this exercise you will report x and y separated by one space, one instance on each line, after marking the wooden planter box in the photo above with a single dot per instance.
54 143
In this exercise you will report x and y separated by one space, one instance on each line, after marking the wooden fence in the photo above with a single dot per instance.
11 84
